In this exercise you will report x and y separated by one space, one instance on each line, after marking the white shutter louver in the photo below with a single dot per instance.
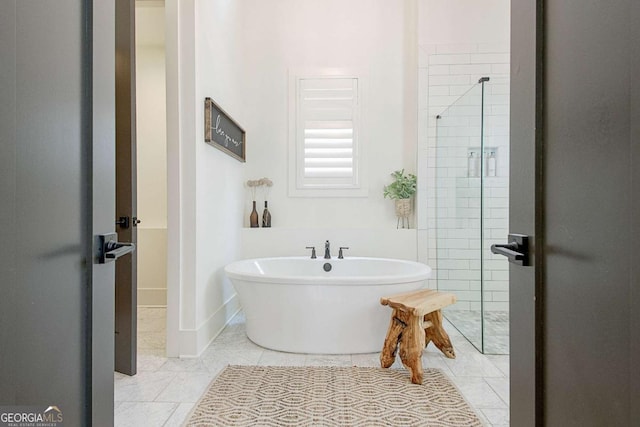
326 133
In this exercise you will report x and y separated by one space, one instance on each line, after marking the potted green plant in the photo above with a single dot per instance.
402 189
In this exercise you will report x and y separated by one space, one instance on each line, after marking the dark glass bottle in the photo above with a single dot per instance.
266 216
253 218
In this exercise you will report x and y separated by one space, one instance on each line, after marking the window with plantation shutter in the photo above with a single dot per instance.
326 136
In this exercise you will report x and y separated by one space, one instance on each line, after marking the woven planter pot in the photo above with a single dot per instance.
403 208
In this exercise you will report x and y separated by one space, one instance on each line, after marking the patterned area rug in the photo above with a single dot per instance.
330 396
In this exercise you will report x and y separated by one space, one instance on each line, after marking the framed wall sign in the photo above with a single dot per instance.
222 131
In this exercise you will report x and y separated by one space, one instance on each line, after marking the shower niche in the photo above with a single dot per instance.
487 155
472 213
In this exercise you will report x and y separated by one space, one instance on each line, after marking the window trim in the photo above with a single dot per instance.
360 189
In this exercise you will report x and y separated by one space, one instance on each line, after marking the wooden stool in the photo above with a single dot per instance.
416 320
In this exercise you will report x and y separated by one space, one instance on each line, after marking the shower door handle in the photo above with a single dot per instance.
517 250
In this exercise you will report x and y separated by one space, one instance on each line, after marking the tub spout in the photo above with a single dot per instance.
327 250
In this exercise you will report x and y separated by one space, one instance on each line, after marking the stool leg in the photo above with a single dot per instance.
411 346
390 347
438 335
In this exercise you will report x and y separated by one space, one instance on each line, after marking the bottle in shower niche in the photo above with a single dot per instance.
491 164
472 165
266 216
253 218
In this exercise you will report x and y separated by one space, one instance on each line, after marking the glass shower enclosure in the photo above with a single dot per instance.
472 213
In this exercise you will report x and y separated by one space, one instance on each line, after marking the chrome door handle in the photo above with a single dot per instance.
114 250
109 249
517 250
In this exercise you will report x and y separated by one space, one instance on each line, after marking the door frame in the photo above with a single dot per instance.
103 192
176 236
125 196
526 212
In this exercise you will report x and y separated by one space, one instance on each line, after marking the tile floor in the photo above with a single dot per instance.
496 328
165 389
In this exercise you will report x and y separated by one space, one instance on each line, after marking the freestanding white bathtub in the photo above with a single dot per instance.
292 304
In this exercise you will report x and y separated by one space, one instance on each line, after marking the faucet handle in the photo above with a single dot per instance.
340 256
313 251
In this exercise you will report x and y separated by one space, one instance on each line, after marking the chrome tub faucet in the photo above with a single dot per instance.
327 250
340 255
313 251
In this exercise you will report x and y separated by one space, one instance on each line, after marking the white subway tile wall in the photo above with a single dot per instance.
450 223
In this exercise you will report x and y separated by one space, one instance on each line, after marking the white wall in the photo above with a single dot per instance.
367 35
151 135
384 243
375 37
239 53
205 191
463 22
219 177
151 154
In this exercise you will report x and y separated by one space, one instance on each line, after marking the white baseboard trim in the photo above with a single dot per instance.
193 342
152 297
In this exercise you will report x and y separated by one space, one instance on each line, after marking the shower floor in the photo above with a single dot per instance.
496 328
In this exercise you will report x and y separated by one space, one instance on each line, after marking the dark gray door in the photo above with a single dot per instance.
576 117
56 186
592 191
126 267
